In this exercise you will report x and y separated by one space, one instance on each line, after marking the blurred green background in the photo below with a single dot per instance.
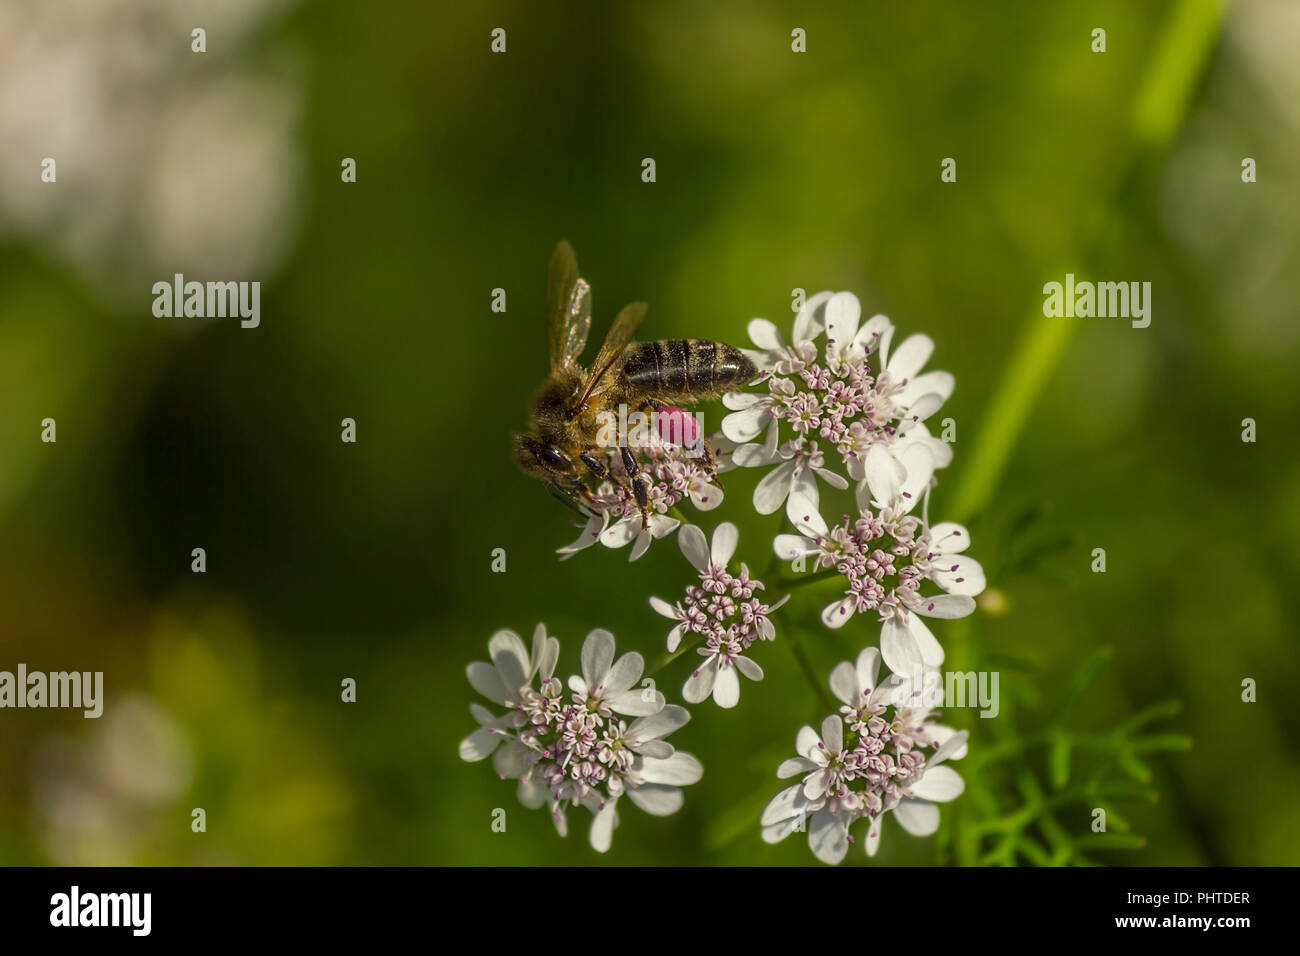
775 170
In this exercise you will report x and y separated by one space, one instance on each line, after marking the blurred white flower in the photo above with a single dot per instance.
98 798
167 160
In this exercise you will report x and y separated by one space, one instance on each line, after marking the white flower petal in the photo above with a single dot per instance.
918 411
918 817
748 667
637 702
814 785
874 335
844 683
671 718
910 357
656 799
739 401
510 657
538 653
833 734
787 547
597 656
931 383
953 747
918 468
884 475
809 520
602 827
940 450
806 741
952 744
804 496
949 538
675 637
621 532
725 537
700 684
930 650
480 744
828 837
872 842
531 794
485 679
838 614
744 425
754 456
811 320
959 575
695 547
765 335
625 672
842 315
590 534
704 496
660 749
831 478
776 832
898 647
772 491
679 770
509 762
643 539
726 689
868 667
946 606
939 783
795 765
664 609
785 805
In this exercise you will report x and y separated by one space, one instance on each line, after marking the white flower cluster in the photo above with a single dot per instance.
837 405
879 753
725 610
576 749
673 476
833 399
852 394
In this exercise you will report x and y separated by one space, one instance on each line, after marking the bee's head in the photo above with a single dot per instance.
542 459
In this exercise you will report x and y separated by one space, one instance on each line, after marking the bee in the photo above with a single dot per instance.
574 403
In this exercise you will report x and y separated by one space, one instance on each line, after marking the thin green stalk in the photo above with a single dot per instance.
1158 112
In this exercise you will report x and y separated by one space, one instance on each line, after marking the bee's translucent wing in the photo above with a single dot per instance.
577 322
620 334
568 308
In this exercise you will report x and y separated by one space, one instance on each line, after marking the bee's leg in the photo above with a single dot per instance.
711 463
567 497
594 464
640 484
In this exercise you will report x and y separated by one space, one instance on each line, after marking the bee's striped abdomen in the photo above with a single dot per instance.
685 367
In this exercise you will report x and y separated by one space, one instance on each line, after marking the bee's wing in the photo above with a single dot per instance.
568 308
620 334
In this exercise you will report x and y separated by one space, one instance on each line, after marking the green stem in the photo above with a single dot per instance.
805 665
789 584
689 641
1158 112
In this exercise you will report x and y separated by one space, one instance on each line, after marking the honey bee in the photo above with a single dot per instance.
647 377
